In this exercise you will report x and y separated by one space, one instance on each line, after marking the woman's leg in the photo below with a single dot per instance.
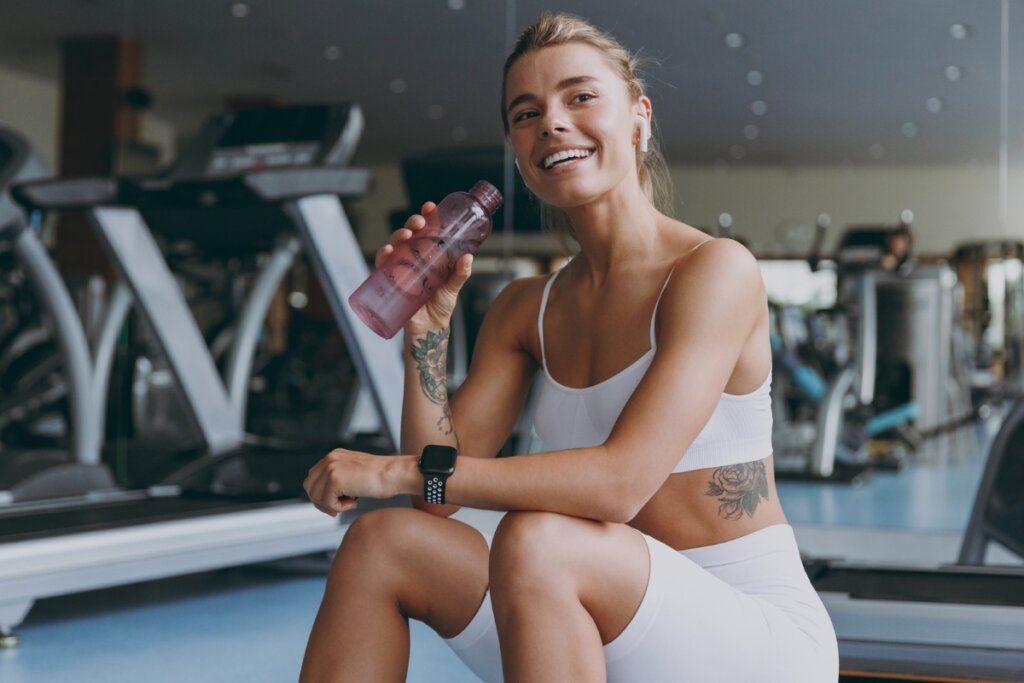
393 564
561 587
742 610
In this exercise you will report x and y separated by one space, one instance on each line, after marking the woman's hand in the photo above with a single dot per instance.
341 477
437 312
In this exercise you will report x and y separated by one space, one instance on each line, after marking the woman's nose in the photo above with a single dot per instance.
552 128
552 123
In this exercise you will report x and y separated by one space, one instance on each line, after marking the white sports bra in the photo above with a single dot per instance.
740 429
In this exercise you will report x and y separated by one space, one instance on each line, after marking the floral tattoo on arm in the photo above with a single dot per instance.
739 488
431 356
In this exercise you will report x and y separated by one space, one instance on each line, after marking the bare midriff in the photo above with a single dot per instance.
683 515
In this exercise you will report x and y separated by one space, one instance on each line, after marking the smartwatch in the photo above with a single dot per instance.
437 463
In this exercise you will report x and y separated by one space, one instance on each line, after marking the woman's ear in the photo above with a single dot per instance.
645 132
644 123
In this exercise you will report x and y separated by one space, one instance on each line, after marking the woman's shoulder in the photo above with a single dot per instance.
715 268
517 305
722 256
522 292
513 313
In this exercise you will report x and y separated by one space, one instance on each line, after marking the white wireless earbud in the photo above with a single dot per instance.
517 167
645 133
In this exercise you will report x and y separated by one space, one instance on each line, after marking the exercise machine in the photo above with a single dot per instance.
847 415
282 173
960 621
991 312
33 474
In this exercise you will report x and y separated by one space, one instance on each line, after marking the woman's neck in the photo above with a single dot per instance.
615 231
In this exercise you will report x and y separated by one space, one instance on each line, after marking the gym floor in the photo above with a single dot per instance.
251 623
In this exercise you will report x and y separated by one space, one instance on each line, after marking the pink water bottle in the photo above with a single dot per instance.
410 275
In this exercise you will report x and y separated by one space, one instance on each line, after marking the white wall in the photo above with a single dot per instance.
31 106
950 203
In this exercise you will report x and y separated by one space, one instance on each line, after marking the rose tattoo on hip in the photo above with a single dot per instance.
739 488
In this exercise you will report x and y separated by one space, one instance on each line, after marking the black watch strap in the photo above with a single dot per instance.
433 488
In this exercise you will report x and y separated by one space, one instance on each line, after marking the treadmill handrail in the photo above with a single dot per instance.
66 195
269 186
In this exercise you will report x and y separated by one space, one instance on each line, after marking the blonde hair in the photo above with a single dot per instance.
558 29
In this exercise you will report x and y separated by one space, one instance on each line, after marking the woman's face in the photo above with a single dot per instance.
572 123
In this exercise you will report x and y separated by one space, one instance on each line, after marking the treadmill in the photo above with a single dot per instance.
77 470
269 176
957 622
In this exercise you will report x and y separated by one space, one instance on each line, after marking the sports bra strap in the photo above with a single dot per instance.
657 301
540 316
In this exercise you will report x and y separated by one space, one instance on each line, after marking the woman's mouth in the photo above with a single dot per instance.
565 159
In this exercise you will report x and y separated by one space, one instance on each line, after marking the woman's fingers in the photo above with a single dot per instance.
318 487
400 235
418 221
312 485
382 254
413 224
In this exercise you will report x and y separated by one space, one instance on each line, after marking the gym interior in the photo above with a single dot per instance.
191 190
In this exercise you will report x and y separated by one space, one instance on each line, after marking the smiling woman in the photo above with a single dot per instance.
652 168
646 542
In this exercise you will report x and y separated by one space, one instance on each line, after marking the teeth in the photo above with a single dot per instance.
567 154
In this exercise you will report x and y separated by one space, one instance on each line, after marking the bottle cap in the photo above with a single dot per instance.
488 195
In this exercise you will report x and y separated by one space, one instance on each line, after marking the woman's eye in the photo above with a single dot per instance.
584 97
522 115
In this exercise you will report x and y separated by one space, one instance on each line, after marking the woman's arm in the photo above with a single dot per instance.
478 418
707 314
706 317
426 414
487 405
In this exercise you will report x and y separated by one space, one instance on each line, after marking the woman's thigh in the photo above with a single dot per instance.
692 626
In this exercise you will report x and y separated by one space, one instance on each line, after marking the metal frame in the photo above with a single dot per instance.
979 532
161 303
87 373
338 261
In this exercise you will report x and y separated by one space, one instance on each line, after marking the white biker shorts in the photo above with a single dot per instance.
743 610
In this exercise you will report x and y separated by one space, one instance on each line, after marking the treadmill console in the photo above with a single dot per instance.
252 140
875 247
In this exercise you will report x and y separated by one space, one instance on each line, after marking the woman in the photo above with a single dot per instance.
647 543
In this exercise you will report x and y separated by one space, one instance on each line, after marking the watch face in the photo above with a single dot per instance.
438 459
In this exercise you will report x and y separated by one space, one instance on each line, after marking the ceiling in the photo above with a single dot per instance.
840 80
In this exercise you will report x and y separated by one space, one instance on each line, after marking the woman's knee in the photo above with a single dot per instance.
527 551
435 569
377 537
